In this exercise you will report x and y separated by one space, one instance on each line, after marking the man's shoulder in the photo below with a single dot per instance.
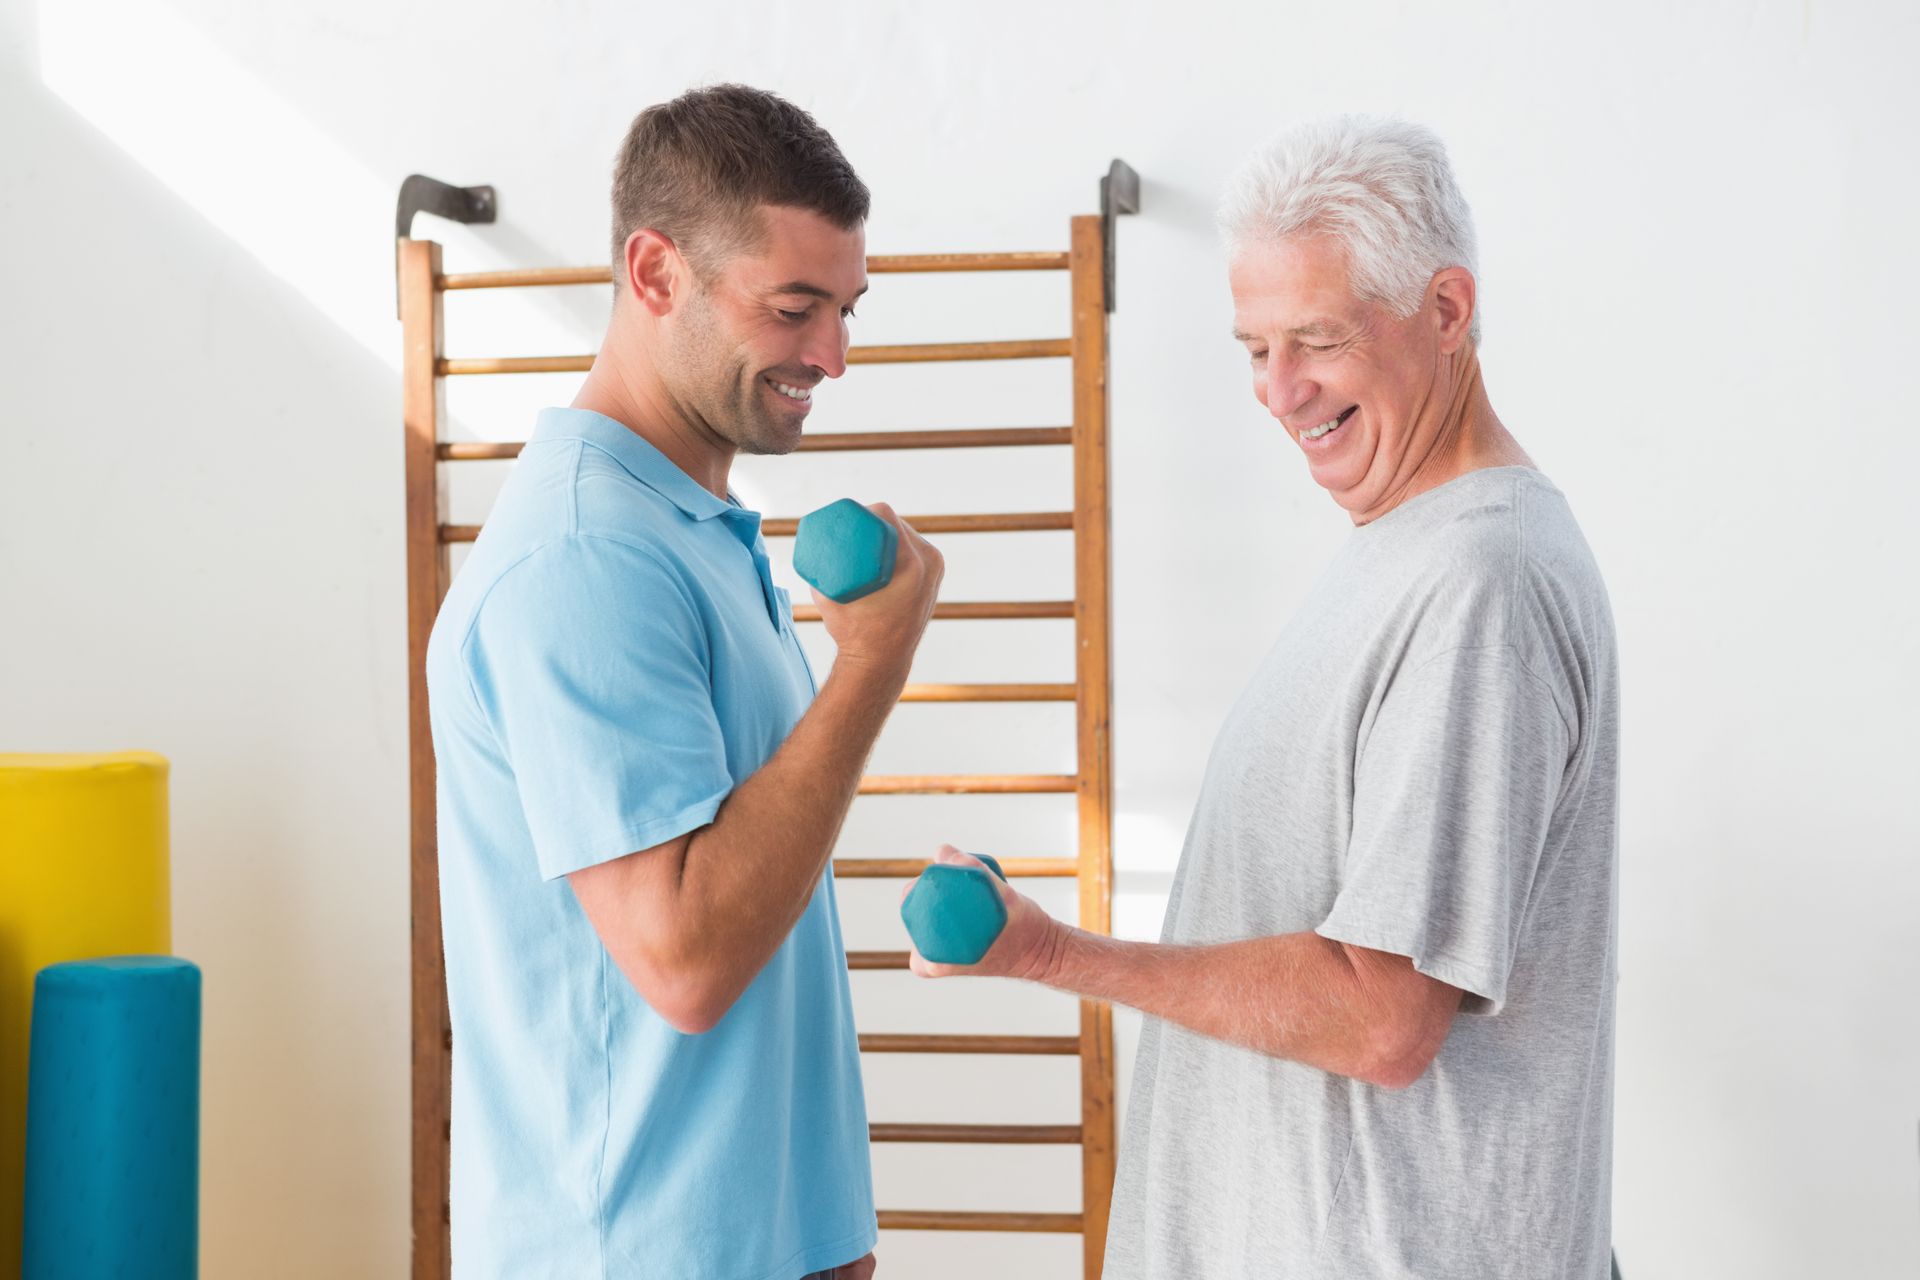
571 578
1504 562
1507 528
573 488
569 507
1484 516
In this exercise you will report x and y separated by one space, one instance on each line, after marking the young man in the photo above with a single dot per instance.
655 1068
1411 814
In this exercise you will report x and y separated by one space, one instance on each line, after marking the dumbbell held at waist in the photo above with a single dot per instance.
954 913
844 551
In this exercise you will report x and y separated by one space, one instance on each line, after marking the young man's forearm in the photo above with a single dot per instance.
747 876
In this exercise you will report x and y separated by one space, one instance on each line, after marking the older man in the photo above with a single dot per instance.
1380 1040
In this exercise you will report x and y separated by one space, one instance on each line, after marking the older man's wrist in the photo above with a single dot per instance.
1047 962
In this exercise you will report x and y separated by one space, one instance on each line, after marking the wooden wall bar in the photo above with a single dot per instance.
422 408
429 538
1092 622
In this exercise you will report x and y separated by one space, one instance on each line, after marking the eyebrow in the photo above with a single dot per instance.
807 290
1312 329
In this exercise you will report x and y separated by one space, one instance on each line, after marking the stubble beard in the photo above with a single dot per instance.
725 392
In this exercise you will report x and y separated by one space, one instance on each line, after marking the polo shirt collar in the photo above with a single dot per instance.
644 462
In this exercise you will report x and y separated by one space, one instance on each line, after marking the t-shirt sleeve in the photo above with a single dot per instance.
1454 788
589 661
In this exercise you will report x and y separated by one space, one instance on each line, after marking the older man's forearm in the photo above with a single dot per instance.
1296 996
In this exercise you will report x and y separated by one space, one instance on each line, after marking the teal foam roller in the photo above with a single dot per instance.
845 551
954 913
113 1121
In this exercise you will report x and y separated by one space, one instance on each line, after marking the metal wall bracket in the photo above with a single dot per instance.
1119 193
421 194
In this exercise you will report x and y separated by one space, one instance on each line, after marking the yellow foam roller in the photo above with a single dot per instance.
83 873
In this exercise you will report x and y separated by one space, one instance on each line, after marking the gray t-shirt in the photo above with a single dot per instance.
1426 763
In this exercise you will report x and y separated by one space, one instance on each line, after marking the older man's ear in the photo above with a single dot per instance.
1452 294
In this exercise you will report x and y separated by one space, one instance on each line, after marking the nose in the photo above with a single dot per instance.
1286 391
826 348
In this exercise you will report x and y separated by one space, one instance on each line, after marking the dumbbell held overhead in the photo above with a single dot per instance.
954 913
844 551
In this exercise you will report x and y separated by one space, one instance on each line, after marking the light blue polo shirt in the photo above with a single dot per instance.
611 661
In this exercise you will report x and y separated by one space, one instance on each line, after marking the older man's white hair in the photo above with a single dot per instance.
1383 188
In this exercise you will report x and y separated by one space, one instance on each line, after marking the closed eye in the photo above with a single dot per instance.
793 317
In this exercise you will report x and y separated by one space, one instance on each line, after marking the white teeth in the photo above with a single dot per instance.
1320 430
791 393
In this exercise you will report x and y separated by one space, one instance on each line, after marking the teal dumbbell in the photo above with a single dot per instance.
845 551
954 913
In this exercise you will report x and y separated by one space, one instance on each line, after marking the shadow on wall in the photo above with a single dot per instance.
210 472
218 512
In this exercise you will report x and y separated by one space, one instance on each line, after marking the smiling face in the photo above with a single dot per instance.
1361 391
750 343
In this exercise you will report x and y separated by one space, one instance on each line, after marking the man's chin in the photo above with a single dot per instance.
1349 491
1331 476
771 440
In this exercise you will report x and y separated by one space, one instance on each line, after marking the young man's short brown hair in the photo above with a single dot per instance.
696 169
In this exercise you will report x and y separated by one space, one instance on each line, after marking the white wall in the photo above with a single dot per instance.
1698 319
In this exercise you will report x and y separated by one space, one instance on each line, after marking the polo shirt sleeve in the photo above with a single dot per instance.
589 661
1454 789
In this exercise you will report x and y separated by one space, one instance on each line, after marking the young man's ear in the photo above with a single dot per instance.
655 271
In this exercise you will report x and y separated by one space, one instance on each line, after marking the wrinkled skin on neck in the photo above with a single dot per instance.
1443 423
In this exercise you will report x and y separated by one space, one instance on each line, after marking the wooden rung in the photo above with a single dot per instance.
988 693
886 264
957 438
973 609
459 532
876 960
1066 1134
967 784
477 450
991 1220
907 868
901 353
995 522
1060 1045
526 278
927 352
825 442
878 264
512 364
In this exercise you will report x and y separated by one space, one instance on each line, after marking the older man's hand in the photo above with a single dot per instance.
1026 947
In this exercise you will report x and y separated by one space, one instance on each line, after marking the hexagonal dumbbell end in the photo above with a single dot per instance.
953 914
845 551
